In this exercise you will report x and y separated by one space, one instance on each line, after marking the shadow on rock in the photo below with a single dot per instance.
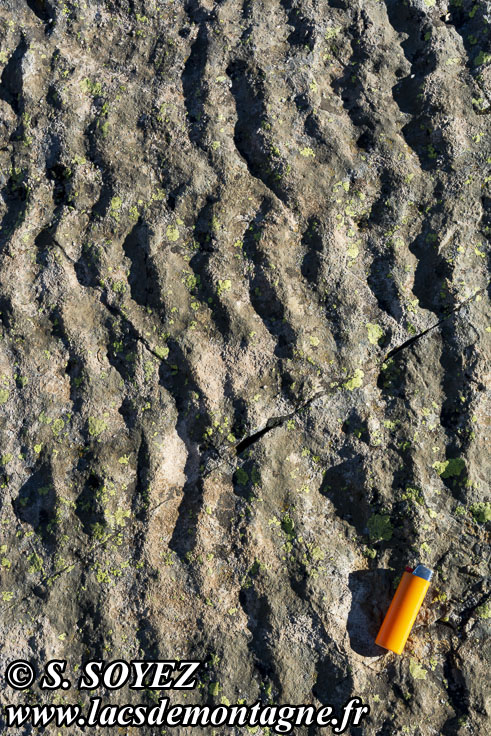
343 485
334 683
371 594
35 504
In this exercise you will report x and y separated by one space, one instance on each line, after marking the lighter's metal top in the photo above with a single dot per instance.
423 572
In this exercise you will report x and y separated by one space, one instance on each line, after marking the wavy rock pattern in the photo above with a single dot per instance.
245 336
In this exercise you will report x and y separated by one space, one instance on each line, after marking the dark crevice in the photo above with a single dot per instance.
248 441
11 81
312 260
43 9
415 338
272 423
409 342
113 308
205 234
408 92
143 276
194 85
16 198
251 141
140 502
382 287
260 617
474 603
303 34
458 693
264 297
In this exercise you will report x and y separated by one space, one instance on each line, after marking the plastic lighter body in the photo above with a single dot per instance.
404 608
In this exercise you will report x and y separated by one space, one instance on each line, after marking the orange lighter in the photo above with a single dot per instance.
404 608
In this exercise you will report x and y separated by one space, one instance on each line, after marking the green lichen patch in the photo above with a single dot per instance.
481 512
483 611
223 285
356 380
96 426
417 671
375 333
241 476
162 351
35 563
450 468
380 527
172 233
